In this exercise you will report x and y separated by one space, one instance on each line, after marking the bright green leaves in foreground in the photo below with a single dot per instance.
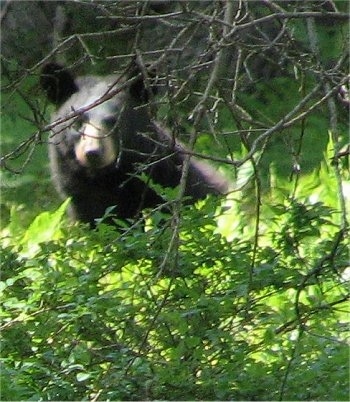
197 309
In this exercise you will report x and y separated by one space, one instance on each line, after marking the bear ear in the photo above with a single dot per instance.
146 85
58 83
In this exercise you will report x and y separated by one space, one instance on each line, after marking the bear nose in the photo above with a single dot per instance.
94 150
93 156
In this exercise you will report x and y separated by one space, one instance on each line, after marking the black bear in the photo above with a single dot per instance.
98 155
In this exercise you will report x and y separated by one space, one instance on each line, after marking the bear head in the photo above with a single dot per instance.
97 118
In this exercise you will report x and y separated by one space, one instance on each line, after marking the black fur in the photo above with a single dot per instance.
101 173
58 83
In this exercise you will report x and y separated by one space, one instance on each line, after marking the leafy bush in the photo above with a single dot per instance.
178 312
235 299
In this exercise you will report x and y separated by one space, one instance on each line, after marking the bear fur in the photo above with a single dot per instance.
97 156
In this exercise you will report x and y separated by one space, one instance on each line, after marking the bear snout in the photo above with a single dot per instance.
95 149
94 157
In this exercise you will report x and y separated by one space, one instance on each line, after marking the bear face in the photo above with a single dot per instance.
94 134
90 134
96 156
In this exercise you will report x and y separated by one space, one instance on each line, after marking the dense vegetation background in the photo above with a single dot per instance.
242 298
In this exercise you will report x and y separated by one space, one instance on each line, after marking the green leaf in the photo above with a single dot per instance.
83 376
44 228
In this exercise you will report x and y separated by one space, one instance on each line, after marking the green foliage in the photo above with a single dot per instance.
26 179
237 299
135 315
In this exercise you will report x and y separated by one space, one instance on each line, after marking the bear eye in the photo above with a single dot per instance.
110 122
78 122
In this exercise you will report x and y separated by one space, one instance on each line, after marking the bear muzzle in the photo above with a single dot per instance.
95 148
